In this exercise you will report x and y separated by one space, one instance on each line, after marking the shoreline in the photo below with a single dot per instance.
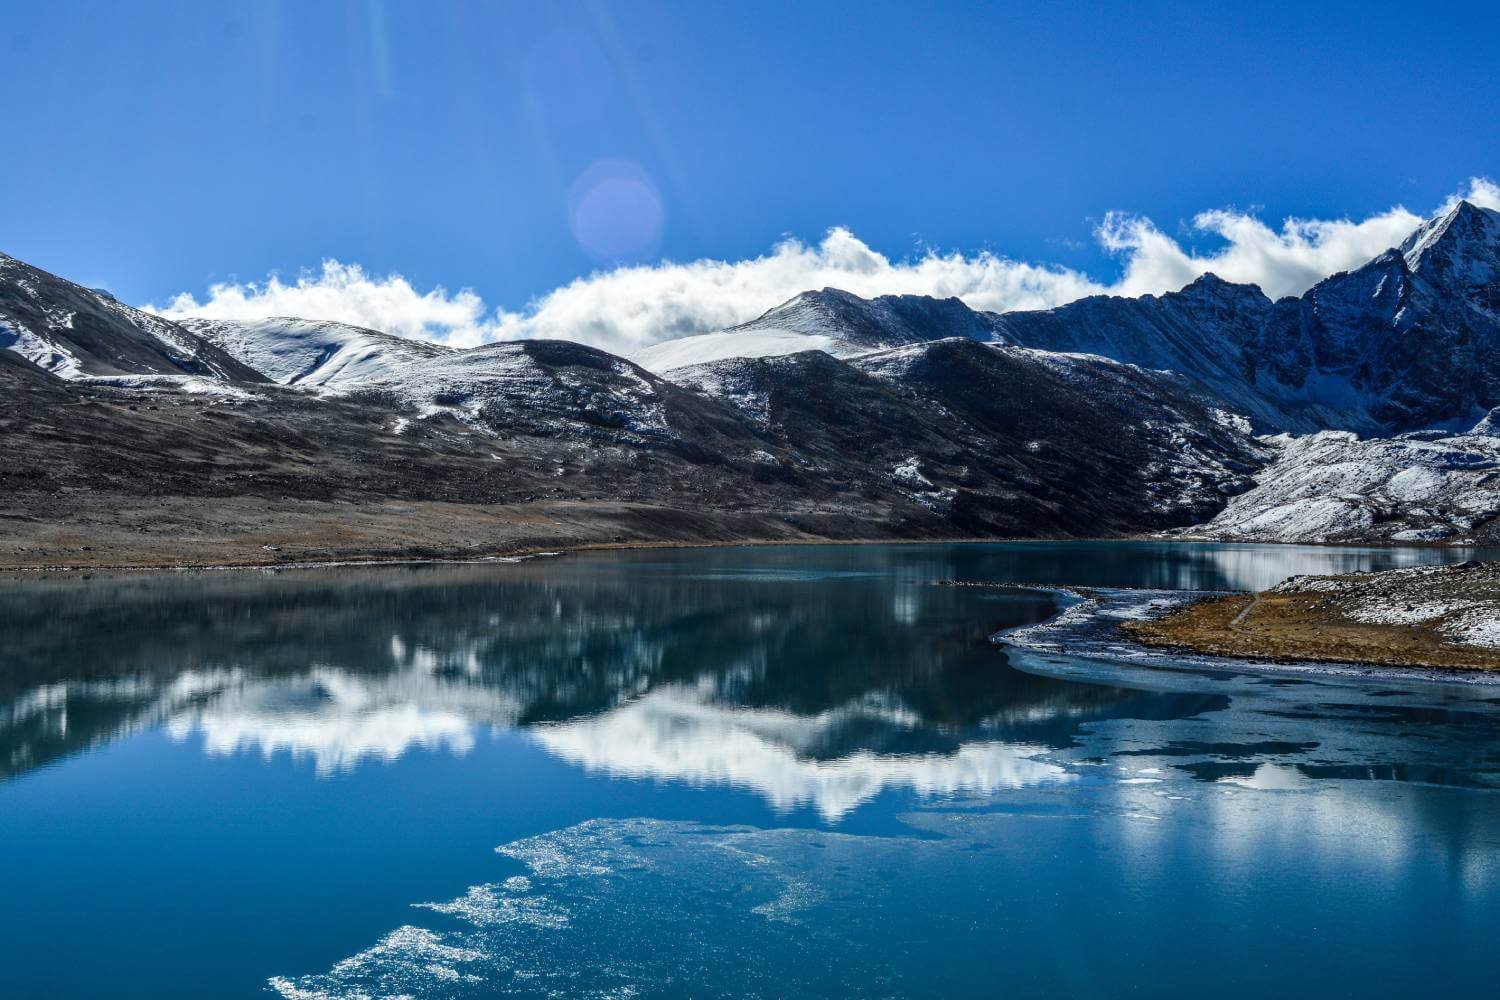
503 556
1303 620
1081 603
509 557
1095 624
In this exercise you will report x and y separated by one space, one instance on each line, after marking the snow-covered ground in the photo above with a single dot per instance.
196 385
535 382
685 352
827 320
313 352
724 379
1333 486
1461 603
74 332
40 351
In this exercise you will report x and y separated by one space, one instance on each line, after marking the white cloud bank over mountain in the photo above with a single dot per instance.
632 307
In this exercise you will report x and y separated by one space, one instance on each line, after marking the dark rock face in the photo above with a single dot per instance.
996 440
1103 443
1208 331
67 329
1409 340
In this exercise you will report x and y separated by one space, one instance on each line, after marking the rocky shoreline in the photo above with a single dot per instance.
1444 618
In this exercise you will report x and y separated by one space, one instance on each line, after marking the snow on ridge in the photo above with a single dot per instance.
1334 486
313 353
1071 365
43 353
727 381
72 331
685 352
1426 237
1459 602
196 385
836 322
1462 246
506 380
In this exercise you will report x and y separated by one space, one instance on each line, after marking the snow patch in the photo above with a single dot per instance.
704 348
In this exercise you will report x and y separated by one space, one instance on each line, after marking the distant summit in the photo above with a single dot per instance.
73 332
1409 340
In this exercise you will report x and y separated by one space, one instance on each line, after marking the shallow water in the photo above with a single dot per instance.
764 771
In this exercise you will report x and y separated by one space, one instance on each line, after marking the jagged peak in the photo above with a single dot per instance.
830 297
1466 209
1490 425
1209 281
1460 223
819 296
1210 285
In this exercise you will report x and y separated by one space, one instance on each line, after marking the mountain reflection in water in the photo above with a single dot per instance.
810 676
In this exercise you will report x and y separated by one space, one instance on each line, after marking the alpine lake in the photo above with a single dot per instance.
766 771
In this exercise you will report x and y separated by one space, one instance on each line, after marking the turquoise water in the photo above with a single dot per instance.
721 772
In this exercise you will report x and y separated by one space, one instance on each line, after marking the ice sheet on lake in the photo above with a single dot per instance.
637 907
618 908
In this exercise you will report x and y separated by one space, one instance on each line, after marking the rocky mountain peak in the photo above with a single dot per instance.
1463 244
77 332
1210 284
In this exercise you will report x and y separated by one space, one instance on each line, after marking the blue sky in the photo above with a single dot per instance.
160 147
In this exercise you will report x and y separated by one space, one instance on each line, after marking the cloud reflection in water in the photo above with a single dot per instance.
673 734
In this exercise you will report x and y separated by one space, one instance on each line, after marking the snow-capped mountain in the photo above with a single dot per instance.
77 332
552 387
872 324
1410 340
997 438
371 447
829 416
831 321
312 352
1334 487
1489 425
1207 331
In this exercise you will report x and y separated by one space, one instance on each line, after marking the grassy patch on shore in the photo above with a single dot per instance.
1304 626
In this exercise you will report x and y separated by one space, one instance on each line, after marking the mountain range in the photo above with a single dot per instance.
1211 410
1409 341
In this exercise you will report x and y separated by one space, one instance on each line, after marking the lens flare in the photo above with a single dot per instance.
615 212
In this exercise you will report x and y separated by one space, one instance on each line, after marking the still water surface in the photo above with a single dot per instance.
762 771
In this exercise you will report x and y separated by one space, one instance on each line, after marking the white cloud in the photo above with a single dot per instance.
631 307
1282 262
635 306
349 294
1482 192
